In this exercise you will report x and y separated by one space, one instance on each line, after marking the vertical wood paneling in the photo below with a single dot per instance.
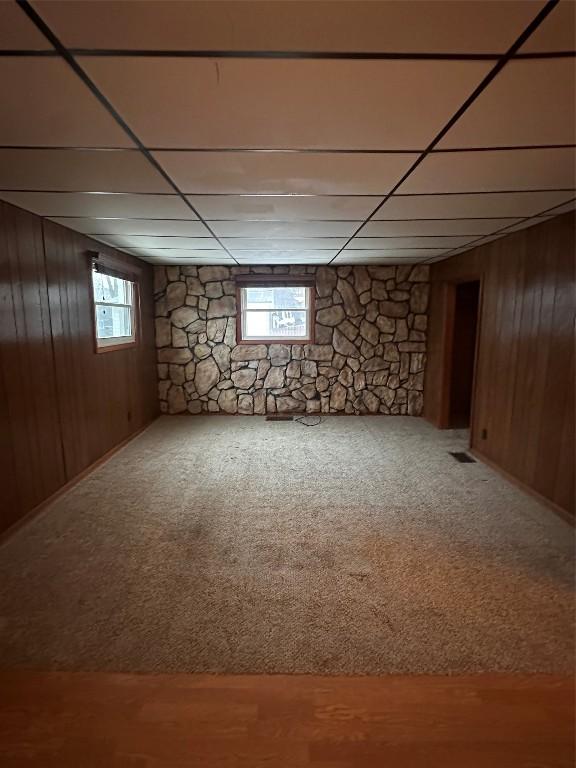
63 406
524 391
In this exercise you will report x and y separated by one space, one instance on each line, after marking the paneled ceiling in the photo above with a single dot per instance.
277 132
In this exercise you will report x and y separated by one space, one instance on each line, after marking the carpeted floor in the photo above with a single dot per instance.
228 544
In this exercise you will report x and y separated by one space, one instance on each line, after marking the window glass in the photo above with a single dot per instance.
275 312
114 309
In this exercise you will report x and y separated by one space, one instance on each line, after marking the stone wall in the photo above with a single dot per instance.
368 357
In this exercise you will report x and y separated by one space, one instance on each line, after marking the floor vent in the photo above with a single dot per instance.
279 417
462 457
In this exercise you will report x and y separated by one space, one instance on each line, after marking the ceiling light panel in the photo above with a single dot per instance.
96 204
531 102
104 226
79 170
513 204
431 227
285 104
44 103
284 207
285 173
492 171
442 26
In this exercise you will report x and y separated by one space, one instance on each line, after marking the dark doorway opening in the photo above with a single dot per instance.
465 327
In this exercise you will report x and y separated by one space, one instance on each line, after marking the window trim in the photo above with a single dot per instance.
275 281
115 268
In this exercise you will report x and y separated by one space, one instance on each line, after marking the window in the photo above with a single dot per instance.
270 313
114 316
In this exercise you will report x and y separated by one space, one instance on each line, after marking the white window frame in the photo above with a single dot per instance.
242 310
115 342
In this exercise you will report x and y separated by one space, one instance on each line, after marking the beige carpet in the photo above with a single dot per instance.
230 544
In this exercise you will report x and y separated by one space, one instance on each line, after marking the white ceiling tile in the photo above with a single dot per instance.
257 258
89 204
287 244
530 102
149 241
557 31
44 103
283 207
285 104
492 171
275 254
408 242
396 253
513 204
18 32
284 173
433 227
179 253
287 229
347 259
439 26
199 261
104 226
79 170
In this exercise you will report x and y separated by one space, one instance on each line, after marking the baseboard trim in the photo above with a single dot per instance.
559 511
44 505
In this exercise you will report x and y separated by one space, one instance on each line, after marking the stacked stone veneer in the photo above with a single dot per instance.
368 357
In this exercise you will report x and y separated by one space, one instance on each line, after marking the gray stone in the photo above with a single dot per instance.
263 368
162 369
226 384
343 346
293 370
369 332
420 322
320 352
412 346
351 304
370 400
195 406
401 330
337 397
209 274
173 273
274 378
309 368
189 271
194 287
249 352
419 300
393 381
325 281
313 406
331 316
163 326
160 280
279 354
419 274
163 387
197 326
328 371
365 298
244 378
170 355
175 295
224 307
322 334
260 402
374 364
245 404
391 352
415 403
183 317
190 370
322 383
359 381
229 287
339 361
393 308
227 400
201 351
177 374
207 375
213 290
221 354
382 273
346 377
379 290
176 400
362 281
289 404
179 338
385 394
309 391
348 330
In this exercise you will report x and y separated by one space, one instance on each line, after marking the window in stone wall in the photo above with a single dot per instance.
275 313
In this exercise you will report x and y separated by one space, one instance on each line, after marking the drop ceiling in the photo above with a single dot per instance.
281 132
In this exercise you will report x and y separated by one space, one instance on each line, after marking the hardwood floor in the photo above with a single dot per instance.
77 720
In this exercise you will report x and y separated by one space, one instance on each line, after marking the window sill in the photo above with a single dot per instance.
115 347
287 341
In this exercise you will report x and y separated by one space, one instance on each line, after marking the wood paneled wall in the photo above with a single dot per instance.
62 406
524 384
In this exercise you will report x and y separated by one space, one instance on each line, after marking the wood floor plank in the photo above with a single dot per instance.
96 720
